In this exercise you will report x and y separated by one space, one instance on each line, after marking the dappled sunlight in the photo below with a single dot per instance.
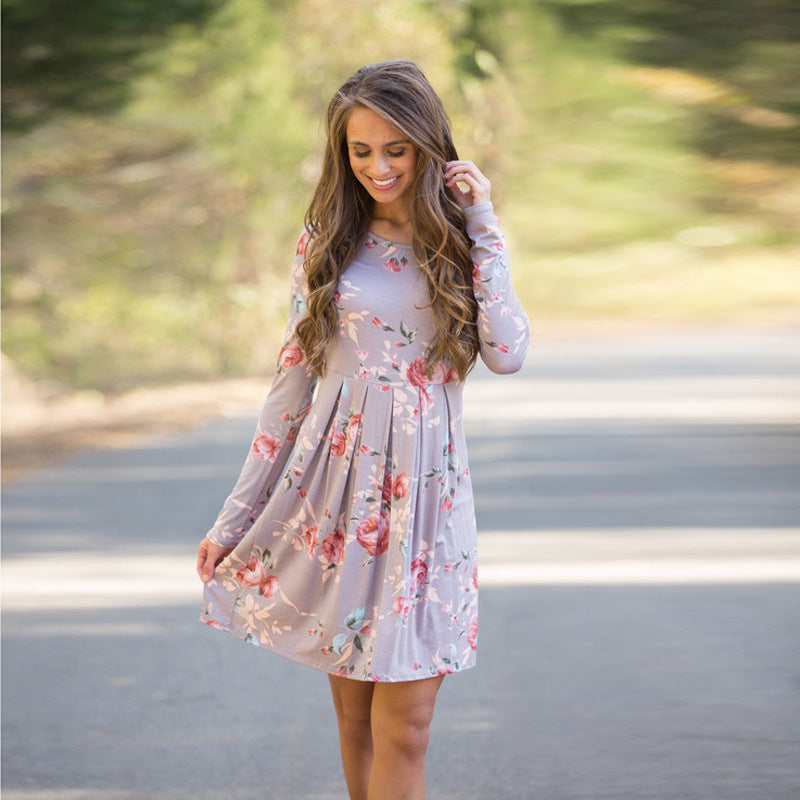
701 399
83 581
639 556
92 580
144 473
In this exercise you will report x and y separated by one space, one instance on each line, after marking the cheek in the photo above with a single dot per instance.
410 164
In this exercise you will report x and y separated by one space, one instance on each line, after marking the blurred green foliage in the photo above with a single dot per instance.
159 158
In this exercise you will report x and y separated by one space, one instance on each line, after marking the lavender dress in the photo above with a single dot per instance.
353 518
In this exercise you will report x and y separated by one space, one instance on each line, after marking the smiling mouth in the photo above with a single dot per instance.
387 184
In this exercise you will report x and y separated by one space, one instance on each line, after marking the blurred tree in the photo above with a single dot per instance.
159 158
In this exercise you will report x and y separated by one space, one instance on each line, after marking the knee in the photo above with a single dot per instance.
406 733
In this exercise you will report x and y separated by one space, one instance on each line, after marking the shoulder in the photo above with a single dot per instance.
303 242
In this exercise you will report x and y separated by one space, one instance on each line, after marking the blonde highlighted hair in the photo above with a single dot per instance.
340 213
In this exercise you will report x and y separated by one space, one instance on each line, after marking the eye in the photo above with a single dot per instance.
360 155
397 153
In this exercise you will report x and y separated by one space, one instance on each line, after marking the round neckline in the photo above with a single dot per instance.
386 241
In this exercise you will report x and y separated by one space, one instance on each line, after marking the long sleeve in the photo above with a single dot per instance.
503 327
285 407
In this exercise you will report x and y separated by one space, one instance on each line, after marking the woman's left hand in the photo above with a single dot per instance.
479 189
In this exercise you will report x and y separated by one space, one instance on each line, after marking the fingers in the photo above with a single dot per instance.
208 556
202 555
465 172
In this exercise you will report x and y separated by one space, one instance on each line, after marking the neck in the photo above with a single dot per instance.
397 213
396 221
393 229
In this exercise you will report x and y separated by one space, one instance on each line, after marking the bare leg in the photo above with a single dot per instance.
352 701
401 718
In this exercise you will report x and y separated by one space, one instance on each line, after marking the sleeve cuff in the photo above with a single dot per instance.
479 217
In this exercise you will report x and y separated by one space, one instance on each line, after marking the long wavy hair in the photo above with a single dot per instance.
340 214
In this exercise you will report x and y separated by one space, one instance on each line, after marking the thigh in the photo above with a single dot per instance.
352 699
412 701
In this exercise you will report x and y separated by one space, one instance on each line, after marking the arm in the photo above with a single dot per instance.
284 409
503 327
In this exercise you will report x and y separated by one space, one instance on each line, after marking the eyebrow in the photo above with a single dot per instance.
388 144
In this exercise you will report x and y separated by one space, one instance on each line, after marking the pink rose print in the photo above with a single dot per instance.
269 586
400 485
310 536
416 373
373 534
301 245
291 356
386 491
395 265
333 547
441 374
475 577
352 427
337 298
338 443
419 572
472 633
266 447
378 322
402 605
254 573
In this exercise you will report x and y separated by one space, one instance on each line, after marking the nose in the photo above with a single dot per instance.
380 165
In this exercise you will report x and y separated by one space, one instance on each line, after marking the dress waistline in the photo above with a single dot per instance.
416 381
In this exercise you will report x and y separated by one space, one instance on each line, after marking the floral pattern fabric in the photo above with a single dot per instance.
352 521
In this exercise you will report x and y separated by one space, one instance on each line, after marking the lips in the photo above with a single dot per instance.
385 184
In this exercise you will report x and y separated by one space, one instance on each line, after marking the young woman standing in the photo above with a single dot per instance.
349 542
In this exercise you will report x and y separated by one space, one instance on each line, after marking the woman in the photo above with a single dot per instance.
348 543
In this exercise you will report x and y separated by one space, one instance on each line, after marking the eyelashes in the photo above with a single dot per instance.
396 154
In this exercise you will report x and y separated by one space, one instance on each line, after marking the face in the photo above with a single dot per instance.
383 160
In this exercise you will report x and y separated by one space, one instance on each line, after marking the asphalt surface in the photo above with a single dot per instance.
639 507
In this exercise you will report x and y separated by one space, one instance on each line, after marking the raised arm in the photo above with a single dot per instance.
285 407
503 326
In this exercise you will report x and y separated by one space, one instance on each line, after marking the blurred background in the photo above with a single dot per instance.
636 483
158 159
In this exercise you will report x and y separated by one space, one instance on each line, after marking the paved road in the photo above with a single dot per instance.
640 513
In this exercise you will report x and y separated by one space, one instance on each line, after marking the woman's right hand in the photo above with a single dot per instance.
208 556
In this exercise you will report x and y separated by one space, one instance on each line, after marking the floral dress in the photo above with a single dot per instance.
352 521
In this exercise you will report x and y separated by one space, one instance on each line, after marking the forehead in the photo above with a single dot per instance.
367 127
